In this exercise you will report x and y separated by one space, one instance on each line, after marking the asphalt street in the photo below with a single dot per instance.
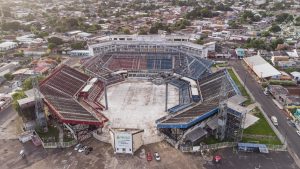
7 114
287 131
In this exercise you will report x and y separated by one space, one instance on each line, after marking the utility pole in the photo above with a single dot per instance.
167 96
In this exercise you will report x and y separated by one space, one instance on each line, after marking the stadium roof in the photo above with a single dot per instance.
60 90
261 67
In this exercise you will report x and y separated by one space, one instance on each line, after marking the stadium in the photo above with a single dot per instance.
137 90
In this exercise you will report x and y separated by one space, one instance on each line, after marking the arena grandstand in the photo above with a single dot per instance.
75 97
62 91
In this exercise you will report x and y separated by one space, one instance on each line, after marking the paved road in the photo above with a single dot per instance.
7 114
287 131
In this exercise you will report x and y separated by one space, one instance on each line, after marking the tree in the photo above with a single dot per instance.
52 46
55 40
27 84
79 45
275 28
233 25
126 31
17 96
153 30
284 17
275 43
143 31
9 76
265 33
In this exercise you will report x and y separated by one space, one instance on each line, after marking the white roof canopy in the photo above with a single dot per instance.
261 67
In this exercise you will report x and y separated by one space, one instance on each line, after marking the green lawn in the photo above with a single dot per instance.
240 86
262 141
261 127
51 136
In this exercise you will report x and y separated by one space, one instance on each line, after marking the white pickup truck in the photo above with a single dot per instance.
274 120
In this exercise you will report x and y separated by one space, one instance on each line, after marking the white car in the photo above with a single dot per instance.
298 132
82 149
156 156
77 147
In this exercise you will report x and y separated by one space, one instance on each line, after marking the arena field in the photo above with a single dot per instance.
137 104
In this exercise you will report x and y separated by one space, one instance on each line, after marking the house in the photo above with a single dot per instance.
5 46
286 96
285 76
240 53
296 76
286 64
276 59
79 53
5 101
8 67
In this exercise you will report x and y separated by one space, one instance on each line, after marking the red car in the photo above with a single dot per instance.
217 159
149 156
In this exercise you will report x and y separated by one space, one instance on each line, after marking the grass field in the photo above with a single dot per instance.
261 127
240 86
262 141
211 140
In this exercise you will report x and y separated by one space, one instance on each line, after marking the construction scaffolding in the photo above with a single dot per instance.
39 106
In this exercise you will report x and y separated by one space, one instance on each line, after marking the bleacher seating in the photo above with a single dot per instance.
184 94
70 109
191 67
96 91
112 79
187 118
179 107
66 80
210 85
61 89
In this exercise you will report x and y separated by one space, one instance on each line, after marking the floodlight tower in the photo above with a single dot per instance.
39 106
222 119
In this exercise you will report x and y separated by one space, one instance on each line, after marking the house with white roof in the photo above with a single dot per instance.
5 46
296 76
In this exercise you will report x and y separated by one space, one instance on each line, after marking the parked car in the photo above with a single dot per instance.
77 147
217 159
88 150
291 123
149 156
298 132
156 156
82 149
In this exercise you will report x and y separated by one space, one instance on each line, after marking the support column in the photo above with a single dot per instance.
105 93
166 97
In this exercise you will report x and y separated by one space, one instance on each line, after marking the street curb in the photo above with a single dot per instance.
278 134
281 138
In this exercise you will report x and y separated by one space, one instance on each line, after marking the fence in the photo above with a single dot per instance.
207 147
259 136
193 149
59 144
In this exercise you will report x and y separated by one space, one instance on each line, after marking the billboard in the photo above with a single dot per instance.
123 142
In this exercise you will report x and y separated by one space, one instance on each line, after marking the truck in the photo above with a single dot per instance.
274 120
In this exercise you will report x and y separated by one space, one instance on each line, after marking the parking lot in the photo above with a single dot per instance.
102 157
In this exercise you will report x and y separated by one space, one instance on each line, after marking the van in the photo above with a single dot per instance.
274 120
